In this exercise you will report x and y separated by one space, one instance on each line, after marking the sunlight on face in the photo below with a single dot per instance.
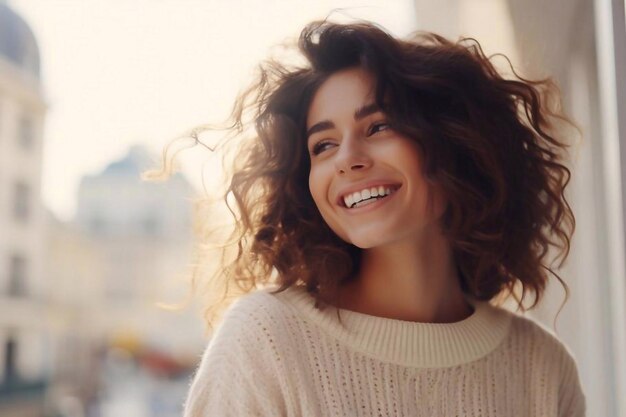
357 159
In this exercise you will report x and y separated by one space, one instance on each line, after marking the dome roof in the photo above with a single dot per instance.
17 42
137 160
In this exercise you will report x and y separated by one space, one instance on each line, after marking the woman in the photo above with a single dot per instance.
391 190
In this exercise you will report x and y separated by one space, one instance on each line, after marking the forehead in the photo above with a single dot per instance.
341 94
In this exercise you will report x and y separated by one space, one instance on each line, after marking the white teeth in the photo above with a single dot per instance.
364 203
349 200
357 198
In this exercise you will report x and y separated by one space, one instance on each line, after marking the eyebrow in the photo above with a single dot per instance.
359 114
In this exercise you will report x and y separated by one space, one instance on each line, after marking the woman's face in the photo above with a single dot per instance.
366 179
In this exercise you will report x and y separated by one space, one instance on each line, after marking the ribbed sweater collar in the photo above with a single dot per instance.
424 345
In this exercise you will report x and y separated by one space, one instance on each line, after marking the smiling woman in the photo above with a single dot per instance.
407 187
356 153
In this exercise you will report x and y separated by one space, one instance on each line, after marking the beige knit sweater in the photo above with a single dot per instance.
276 355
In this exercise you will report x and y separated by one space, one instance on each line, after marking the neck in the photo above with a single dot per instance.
412 281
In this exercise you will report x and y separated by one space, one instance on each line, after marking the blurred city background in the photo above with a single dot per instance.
91 91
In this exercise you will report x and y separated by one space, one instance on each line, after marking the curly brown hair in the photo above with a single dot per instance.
493 144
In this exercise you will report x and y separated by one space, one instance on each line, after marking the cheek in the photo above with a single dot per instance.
319 187
435 202
441 202
316 188
430 197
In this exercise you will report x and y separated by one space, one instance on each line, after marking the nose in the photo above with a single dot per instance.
351 157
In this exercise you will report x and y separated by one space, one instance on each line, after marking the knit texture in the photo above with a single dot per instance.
277 355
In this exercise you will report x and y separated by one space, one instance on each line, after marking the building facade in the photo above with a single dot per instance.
124 254
24 362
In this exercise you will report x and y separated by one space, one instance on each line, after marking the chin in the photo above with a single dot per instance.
371 237
367 242
378 238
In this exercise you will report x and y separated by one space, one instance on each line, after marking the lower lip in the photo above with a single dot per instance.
372 206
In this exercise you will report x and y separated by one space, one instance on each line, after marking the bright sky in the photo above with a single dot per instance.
120 72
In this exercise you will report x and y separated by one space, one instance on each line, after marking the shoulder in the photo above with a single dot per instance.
256 309
251 323
537 334
542 344
551 358
241 372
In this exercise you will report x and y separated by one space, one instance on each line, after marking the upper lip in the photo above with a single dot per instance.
363 186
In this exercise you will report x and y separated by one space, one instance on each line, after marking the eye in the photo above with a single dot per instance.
320 147
377 127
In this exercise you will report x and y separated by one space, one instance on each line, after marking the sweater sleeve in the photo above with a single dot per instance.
236 376
572 402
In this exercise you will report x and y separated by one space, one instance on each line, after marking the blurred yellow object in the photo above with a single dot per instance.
127 340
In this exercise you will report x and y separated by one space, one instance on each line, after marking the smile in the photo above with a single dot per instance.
367 195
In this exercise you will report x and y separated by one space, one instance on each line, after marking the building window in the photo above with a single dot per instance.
17 276
10 354
150 226
26 134
97 225
21 199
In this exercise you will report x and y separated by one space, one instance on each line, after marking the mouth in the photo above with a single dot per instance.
367 195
